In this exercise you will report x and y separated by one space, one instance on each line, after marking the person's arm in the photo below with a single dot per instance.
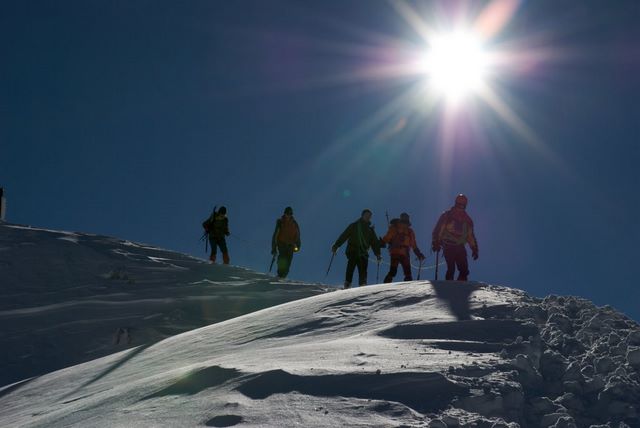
437 230
471 240
414 245
388 237
342 238
375 243
226 227
298 241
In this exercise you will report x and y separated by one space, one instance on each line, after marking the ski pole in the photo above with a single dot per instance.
273 259
333 254
206 242
437 263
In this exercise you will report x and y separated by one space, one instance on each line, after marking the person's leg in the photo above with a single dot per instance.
285 255
392 270
449 256
351 266
224 250
214 249
463 264
406 267
363 264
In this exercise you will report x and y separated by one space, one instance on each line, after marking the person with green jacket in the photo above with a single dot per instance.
360 236
285 241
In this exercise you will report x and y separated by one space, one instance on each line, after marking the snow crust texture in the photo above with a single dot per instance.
67 298
441 354
417 354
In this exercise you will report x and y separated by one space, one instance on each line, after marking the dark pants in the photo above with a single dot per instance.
397 259
222 243
285 256
456 255
361 262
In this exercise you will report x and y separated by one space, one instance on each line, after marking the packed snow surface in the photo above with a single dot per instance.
67 298
416 354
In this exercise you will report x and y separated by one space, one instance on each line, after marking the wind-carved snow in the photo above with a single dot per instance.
417 354
67 297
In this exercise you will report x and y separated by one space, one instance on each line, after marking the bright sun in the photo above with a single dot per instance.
456 64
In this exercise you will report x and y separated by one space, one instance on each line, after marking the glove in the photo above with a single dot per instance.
435 246
274 251
379 257
421 256
227 234
334 249
474 254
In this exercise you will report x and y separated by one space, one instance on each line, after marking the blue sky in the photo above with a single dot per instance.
135 118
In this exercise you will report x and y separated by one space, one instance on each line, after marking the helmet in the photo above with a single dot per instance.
288 211
222 210
404 217
461 200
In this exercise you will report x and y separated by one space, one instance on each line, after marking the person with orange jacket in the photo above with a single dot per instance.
285 241
453 230
401 239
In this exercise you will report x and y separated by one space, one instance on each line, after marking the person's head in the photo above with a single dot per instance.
288 211
366 215
461 201
404 217
222 210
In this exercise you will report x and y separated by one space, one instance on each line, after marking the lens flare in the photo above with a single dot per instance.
456 64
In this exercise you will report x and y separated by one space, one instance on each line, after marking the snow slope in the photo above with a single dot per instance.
65 296
439 354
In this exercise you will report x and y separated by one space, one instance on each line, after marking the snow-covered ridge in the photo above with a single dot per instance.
68 297
441 354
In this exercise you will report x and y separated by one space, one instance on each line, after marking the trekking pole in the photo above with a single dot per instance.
206 242
420 269
437 263
378 273
273 259
330 261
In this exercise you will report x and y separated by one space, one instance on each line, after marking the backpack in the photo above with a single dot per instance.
206 225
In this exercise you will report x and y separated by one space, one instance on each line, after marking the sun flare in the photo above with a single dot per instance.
456 64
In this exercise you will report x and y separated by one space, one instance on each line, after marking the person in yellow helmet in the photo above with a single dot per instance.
453 230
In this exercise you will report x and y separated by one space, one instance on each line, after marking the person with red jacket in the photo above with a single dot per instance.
453 230
401 238
285 241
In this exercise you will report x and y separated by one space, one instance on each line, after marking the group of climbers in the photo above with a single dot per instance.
284 242
453 230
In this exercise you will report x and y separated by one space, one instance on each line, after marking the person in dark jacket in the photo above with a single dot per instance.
401 239
285 241
360 236
217 227
453 230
